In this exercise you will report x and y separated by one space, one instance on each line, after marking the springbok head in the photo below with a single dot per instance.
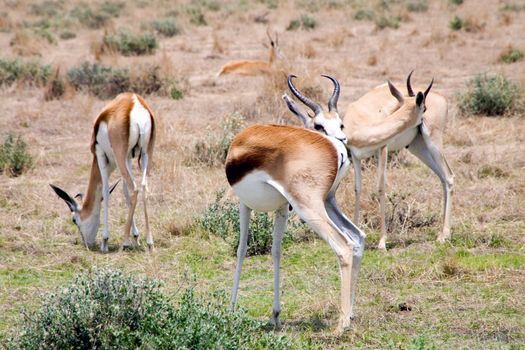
417 101
87 221
275 50
330 122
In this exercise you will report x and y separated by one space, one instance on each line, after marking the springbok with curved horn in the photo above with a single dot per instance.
367 127
124 129
271 167
254 67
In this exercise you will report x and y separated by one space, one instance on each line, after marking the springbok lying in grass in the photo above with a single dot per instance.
123 130
254 67
373 127
271 167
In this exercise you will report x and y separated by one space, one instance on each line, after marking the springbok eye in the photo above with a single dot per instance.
319 127
342 126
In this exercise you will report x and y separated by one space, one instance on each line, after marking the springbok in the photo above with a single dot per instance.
272 167
254 67
370 131
124 129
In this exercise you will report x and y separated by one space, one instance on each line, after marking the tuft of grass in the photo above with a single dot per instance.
130 44
55 87
221 218
305 22
213 150
67 35
388 22
417 5
196 16
107 309
90 18
166 26
511 55
364 14
491 171
456 2
47 8
456 23
29 73
491 95
14 157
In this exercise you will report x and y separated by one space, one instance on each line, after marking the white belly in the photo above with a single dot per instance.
255 192
396 143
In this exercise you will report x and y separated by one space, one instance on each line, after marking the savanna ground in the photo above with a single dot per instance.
466 293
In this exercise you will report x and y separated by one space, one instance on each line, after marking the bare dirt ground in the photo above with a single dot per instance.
465 293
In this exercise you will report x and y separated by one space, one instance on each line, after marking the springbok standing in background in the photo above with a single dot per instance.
123 130
271 167
254 67
377 122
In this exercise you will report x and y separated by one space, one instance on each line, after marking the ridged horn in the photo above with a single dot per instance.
332 103
428 88
409 85
311 104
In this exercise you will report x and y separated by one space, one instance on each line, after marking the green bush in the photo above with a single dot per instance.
511 55
364 14
388 22
130 44
212 151
47 8
166 26
14 157
456 23
99 80
304 22
417 5
67 35
89 18
29 73
106 309
490 95
112 8
221 218
456 2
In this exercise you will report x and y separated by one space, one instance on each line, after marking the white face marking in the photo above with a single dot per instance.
89 227
329 126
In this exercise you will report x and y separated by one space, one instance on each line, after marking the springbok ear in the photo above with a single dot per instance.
419 98
395 92
80 195
294 108
71 203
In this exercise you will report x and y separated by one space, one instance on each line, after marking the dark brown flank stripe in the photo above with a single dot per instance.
237 168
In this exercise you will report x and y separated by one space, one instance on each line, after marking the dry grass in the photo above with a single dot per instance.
466 293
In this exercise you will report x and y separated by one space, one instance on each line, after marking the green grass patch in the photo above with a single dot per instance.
131 44
26 72
14 157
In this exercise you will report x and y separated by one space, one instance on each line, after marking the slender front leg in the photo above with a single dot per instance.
381 175
144 187
134 230
281 217
356 237
103 167
357 186
244 218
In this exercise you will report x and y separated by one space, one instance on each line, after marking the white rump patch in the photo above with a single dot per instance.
139 126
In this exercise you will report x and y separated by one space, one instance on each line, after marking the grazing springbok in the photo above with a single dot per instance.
123 130
370 132
272 167
254 67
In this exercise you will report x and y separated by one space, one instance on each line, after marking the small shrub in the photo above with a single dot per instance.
417 5
106 309
489 94
14 157
364 14
166 26
304 22
456 2
176 93
99 80
67 35
511 55
388 22
112 8
456 23
29 73
491 171
55 87
196 16
89 18
221 218
213 150
47 8
130 44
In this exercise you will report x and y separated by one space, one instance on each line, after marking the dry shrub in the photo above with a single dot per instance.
337 39
5 22
372 60
55 87
218 44
309 51
25 44
506 19
511 55
473 25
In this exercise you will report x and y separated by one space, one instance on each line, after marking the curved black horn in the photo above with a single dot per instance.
428 88
311 104
409 85
332 103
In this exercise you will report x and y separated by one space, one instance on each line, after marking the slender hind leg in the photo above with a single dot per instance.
104 173
244 218
423 148
381 176
134 230
357 187
281 217
144 188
